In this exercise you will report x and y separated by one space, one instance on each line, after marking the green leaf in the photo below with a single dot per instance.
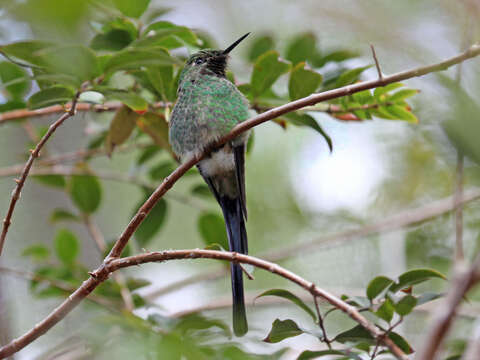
333 56
301 48
14 80
55 181
12 105
66 246
86 192
357 333
308 354
427 297
147 153
134 284
259 46
386 310
380 91
405 305
350 76
134 59
121 127
402 95
156 127
26 51
303 81
306 120
401 342
289 296
161 171
377 285
37 252
51 96
414 277
165 29
152 223
76 61
113 40
132 100
266 70
212 229
62 215
401 113
282 329
131 8
161 78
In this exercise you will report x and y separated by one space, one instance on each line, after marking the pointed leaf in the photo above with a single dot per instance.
259 46
121 128
386 310
377 285
26 51
155 125
51 96
282 329
289 296
402 95
400 112
308 354
66 246
306 120
134 59
405 305
414 277
303 81
380 91
357 333
301 48
266 70
401 342
350 76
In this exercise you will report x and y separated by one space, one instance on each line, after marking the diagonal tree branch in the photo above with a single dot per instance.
102 272
33 155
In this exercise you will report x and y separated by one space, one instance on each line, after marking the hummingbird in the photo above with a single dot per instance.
208 107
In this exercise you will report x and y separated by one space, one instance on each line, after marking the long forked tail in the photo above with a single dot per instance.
237 239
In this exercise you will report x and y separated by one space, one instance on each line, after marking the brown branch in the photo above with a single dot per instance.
33 155
403 219
55 109
377 64
462 282
99 240
101 273
321 323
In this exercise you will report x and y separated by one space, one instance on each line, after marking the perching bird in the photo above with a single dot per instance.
208 107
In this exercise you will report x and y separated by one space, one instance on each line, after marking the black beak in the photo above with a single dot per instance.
231 47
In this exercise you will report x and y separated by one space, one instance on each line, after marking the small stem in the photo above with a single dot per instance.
321 324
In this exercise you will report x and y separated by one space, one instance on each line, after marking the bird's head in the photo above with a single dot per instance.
209 61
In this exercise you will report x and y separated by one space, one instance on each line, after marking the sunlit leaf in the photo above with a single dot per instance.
303 81
350 76
380 91
377 285
66 246
285 294
266 70
283 329
136 58
132 100
402 95
401 113
161 29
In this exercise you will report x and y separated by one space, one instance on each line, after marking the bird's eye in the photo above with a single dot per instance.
199 61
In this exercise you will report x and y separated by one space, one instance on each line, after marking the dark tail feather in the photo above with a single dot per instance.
237 239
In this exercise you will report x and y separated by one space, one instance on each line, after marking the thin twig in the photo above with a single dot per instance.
377 64
99 240
102 273
321 324
397 221
33 155
459 256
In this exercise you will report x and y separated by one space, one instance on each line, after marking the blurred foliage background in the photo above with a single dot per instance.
297 189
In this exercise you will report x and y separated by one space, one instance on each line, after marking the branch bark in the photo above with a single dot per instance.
103 272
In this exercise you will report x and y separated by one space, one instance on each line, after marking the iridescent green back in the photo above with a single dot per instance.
208 107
